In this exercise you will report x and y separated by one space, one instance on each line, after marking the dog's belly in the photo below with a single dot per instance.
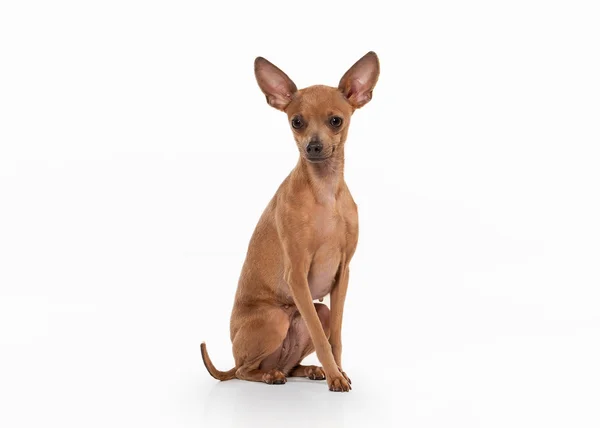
322 272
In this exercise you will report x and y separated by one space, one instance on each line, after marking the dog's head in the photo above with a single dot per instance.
319 115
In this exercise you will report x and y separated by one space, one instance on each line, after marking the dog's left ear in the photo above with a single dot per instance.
358 82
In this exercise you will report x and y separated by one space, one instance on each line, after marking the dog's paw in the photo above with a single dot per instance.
315 373
339 382
274 377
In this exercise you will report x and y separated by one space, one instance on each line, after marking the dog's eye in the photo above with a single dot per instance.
336 121
297 122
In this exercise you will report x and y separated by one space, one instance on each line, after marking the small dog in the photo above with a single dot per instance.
304 240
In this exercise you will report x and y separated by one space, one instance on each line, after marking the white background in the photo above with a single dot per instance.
137 154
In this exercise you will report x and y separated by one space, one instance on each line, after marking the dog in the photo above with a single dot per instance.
304 241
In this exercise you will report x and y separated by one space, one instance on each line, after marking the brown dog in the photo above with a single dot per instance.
304 240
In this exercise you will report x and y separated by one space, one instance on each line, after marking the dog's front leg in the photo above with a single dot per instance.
338 297
297 280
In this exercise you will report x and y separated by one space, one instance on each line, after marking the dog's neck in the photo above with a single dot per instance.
325 179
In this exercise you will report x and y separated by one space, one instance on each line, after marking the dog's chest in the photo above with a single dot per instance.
323 270
329 244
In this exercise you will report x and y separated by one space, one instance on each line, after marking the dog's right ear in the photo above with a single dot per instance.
274 83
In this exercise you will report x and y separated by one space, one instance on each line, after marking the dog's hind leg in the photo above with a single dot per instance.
261 335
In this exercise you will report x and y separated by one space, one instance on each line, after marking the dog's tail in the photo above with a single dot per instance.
217 374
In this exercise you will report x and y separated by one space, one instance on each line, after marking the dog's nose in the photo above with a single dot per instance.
314 148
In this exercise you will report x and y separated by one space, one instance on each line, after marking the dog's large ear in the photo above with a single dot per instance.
358 82
274 83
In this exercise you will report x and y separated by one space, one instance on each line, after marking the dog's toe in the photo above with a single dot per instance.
339 384
316 373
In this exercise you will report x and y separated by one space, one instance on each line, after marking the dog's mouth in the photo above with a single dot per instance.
317 160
